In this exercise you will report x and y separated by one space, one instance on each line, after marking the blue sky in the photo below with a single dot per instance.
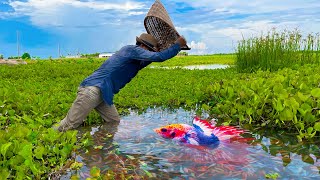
89 26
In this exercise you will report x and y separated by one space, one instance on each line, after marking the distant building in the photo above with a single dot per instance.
104 55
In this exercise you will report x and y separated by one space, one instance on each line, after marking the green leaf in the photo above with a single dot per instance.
310 118
39 152
317 126
4 173
310 130
286 115
148 173
308 159
4 148
11 112
303 86
249 111
32 166
26 151
302 97
304 109
316 92
278 105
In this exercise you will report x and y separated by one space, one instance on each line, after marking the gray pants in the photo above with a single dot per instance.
88 98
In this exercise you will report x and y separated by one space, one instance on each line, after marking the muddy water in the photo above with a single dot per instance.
132 147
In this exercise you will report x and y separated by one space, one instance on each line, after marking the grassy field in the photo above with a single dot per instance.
228 59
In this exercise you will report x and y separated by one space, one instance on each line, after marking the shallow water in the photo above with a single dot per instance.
198 67
134 148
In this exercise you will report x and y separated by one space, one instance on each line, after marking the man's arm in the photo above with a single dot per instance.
145 55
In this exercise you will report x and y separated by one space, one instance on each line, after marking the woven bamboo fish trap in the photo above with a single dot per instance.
159 25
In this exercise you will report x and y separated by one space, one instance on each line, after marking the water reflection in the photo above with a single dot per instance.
132 147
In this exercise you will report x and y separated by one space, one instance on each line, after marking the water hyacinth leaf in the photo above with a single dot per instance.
310 130
291 102
310 118
4 173
4 148
32 166
317 126
230 92
39 151
26 151
286 115
302 97
304 108
316 92
278 88
303 86
249 111
277 104
11 112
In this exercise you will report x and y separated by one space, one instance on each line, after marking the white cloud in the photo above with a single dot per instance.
46 13
261 6
198 45
29 5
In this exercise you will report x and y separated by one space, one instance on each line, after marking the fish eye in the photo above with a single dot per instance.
163 130
173 134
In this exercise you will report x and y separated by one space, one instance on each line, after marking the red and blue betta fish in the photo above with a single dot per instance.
201 133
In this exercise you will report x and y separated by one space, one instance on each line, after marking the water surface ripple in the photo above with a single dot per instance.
132 146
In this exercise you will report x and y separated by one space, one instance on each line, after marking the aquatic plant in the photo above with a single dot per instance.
272 176
277 50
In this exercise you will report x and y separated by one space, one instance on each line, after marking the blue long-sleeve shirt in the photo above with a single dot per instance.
124 65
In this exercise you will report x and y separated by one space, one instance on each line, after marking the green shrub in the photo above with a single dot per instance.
26 56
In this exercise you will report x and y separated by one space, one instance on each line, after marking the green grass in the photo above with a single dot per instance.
277 50
198 60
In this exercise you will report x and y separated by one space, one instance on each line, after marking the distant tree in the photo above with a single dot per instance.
1 56
13 57
26 56
90 55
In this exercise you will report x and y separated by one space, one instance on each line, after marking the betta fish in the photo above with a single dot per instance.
201 133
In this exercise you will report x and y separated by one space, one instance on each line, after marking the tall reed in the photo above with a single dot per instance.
277 50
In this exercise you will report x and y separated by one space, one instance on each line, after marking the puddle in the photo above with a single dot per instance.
133 147
196 67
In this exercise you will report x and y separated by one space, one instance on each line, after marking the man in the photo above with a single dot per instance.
97 90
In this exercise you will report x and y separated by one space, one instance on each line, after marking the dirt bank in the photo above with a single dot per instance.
12 62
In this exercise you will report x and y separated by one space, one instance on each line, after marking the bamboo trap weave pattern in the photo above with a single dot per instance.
159 25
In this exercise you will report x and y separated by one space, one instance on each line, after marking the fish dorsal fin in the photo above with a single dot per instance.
202 126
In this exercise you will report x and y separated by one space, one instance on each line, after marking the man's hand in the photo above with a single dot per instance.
182 41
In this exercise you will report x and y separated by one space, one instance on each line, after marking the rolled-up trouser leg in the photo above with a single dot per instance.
87 99
107 112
